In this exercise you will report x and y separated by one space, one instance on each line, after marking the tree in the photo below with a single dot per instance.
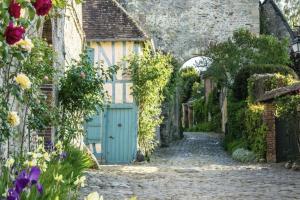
291 9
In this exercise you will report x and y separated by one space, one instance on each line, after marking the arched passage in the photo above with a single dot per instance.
200 63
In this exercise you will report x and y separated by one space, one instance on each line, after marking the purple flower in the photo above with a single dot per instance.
13 195
63 155
49 145
39 188
34 175
24 179
21 181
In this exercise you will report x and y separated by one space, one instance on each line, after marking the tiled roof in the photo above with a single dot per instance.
106 20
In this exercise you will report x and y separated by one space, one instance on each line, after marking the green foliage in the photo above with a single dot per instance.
197 90
236 112
81 89
151 73
243 155
256 130
239 88
170 89
233 144
245 49
200 110
267 83
73 166
202 127
287 106
80 95
245 127
188 77
203 109
39 64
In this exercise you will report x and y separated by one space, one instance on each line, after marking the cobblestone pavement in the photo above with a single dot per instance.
194 168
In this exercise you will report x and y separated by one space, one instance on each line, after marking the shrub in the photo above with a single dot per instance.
81 94
202 127
188 77
151 73
203 109
232 145
256 130
71 167
240 91
243 155
236 112
200 110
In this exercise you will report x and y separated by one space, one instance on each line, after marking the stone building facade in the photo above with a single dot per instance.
66 35
186 28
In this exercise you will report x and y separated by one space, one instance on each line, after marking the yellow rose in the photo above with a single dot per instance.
23 81
13 119
25 44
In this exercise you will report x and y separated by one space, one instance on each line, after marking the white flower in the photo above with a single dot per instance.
25 44
9 163
46 156
59 178
13 119
44 166
80 181
23 81
94 196
30 163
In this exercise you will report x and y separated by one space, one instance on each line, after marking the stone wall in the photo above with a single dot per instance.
186 28
68 36
273 22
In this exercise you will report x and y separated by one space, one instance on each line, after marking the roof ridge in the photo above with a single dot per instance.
279 12
130 17
108 20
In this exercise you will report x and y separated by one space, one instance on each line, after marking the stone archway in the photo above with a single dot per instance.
200 63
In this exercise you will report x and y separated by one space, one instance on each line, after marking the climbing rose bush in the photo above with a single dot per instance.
26 62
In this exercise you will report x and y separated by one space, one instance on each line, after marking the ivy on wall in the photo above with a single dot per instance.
256 130
151 72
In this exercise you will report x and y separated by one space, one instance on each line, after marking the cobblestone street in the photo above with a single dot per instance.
194 168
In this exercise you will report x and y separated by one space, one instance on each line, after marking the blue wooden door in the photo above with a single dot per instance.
121 138
94 137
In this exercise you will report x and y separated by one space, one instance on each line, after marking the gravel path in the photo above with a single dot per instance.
194 168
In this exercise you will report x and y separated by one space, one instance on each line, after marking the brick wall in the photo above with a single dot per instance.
269 120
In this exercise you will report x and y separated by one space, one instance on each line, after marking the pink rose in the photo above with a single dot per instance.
13 34
42 7
14 9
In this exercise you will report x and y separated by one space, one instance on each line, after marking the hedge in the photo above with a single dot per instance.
240 91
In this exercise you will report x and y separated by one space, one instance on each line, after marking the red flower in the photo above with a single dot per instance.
13 34
42 7
14 9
